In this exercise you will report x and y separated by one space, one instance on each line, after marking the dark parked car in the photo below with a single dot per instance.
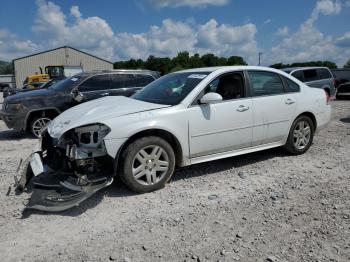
4 86
342 78
31 111
319 77
38 85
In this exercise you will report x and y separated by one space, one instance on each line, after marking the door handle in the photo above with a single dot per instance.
105 94
242 108
289 101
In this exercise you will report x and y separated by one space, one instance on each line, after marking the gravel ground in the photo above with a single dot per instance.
264 206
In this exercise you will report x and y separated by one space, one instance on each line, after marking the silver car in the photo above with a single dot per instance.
319 77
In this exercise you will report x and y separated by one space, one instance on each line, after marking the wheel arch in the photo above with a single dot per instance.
164 134
49 111
311 116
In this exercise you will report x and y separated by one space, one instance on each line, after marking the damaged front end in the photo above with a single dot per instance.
67 170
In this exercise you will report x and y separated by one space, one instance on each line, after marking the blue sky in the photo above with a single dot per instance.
285 31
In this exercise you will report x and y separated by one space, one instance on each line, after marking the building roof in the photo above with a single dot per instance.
61 48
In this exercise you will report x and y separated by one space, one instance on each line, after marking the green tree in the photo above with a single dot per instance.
328 64
6 68
347 64
236 60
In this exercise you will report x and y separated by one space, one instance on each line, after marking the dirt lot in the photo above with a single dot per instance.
265 206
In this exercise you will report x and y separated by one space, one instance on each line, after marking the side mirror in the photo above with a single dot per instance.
77 96
211 98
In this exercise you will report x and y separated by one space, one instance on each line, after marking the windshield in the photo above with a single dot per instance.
170 89
66 84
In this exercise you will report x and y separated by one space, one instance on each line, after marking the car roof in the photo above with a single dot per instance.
216 68
128 71
291 69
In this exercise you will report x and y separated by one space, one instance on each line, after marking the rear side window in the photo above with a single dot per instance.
97 82
265 83
298 75
143 80
291 86
310 75
123 81
324 73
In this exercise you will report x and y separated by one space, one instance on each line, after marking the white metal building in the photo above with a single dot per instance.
65 55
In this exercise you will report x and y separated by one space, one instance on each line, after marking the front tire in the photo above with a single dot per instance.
300 136
147 164
38 123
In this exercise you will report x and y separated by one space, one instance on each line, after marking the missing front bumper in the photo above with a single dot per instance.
54 191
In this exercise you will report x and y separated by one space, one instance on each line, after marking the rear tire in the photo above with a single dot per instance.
300 136
147 164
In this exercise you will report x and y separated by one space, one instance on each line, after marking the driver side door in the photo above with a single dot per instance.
224 126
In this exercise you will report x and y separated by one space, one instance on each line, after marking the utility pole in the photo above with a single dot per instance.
260 54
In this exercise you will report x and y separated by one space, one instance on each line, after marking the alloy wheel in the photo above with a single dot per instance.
150 165
39 124
301 135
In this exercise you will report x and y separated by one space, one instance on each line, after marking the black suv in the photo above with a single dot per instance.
342 78
32 110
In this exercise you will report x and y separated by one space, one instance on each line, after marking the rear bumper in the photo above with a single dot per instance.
14 121
323 118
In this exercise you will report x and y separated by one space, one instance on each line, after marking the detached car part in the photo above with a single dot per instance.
67 171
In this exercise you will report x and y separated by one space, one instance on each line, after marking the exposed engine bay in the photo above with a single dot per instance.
68 170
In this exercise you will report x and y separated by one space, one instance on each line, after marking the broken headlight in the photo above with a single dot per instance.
88 142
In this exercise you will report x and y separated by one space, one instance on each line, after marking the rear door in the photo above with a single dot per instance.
273 108
96 86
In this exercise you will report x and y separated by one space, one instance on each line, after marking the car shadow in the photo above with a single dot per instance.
345 120
14 135
119 190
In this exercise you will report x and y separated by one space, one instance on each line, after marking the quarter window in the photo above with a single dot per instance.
123 81
265 83
98 82
143 80
310 75
324 73
298 75
291 86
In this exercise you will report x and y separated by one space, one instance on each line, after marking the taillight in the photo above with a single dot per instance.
328 97
335 83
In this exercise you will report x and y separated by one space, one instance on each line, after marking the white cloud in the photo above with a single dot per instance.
267 21
12 46
344 40
190 3
172 37
53 28
309 43
91 34
283 31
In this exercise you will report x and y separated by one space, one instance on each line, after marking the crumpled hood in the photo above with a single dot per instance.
96 111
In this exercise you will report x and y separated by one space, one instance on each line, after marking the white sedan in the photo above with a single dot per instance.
181 119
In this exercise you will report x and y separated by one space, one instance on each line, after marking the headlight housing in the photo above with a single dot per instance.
13 107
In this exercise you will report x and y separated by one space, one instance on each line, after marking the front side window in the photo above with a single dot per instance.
229 86
170 89
310 75
265 83
97 82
